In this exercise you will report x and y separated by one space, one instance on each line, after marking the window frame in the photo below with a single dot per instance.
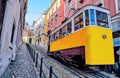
102 21
52 11
64 31
117 6
68 25
52 21
56 17
60 33
79 21
69 5
86 19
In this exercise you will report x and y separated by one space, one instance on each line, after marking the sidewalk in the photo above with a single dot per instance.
23 66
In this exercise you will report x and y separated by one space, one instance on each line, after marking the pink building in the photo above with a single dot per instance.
55 14
60 10
71 6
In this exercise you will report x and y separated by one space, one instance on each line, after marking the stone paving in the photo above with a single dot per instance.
60 70
23 66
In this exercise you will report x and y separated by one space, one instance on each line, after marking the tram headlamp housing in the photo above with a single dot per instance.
104 36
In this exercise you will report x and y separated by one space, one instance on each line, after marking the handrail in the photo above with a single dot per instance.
34 55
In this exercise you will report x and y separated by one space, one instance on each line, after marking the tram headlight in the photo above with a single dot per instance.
104 36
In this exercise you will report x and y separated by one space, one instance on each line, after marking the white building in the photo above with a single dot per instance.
39 31
25 31
11 29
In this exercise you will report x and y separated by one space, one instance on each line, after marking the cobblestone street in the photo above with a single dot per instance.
23 66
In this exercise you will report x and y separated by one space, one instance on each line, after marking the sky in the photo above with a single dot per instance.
35 8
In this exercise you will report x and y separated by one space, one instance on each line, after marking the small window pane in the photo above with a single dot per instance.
64 31
78 22
51 38
92 17
57 35
116 34
69 27
52 21
118 5
102 19
60 33
69 4
56 17
87 18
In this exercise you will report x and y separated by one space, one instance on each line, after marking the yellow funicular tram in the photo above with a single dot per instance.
89 32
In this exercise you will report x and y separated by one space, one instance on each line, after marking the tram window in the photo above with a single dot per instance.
64 29
52 38
78 21
57 35
116 34
60 33
69 28
102 19
87 18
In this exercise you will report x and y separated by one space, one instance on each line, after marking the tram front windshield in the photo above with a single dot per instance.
96 18
102 19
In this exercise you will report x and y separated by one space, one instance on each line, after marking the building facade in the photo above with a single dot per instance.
12 18
45 31
27 34
71 6
55 14
39 30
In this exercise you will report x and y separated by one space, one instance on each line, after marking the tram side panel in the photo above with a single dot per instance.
73 40
99 46
97 41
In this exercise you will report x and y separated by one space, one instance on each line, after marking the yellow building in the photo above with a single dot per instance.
45 30
39 30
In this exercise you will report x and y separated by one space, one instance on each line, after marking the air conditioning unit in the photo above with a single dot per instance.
69 1
80 1
99 3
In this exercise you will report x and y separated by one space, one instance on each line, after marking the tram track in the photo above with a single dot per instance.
87 73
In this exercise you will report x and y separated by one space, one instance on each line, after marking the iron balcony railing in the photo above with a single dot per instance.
39 64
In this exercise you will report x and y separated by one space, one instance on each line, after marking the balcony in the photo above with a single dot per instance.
116 41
